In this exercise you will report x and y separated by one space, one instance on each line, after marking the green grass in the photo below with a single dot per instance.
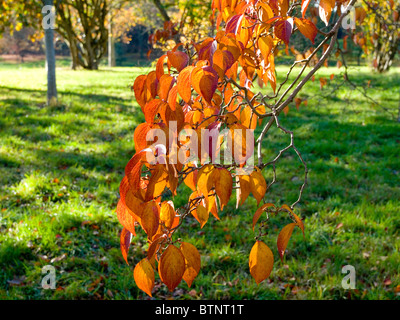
60 169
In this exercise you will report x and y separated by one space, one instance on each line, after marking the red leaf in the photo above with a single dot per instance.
125 242
204 81
283 29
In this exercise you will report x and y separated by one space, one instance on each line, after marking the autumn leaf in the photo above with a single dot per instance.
171 267
299 222
258 186
261 261
284 237
204 81
304 6
260 211
144 276
167 213
325 10
183 83
157 183
265 44
283 29
178 59
205 181
201 214
222 61
307 28
125 242
192 262
150 218
139 88
243 191
165 84
223 185
139 136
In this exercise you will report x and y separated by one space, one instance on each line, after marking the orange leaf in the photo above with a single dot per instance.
258 186
204 81
183 83
167 213
154 246
132 171
261 261
223 185
283 238
201 214
205 181
191 180
150 218
144 276
165 85
178 59
171 267
304 6
192 262
160 66
299 222
260 211
307 28
151 109
243 191
325 10
222 61
139 136
157 183
125 218
265 44
139 89
125 242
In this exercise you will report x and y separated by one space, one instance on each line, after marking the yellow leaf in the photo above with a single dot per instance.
258 186
167 213
171 267
144 276
261 261
192 262
223 185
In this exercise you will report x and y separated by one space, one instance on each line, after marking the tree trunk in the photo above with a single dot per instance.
111 45
50 63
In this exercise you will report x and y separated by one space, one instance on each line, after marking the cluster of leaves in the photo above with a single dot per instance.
208 85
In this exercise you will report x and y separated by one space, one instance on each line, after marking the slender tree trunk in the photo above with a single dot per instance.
111 44
50 63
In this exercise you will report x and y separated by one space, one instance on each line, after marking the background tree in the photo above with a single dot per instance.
15 15
82 23
378 31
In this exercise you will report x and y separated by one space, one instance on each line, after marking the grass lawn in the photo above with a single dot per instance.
60 169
